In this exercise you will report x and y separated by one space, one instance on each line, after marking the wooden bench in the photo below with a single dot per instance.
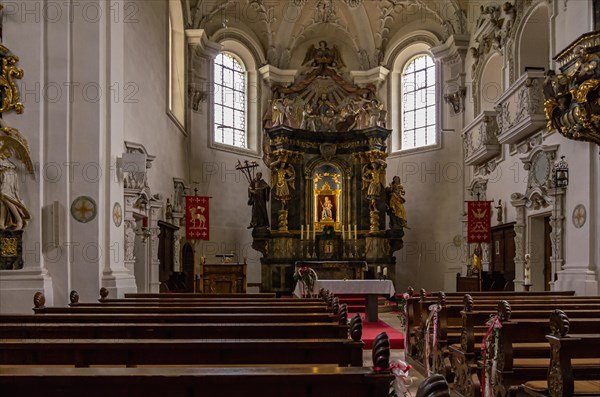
448 324
415 307
523 350
197 295
567 379
133 352
315 381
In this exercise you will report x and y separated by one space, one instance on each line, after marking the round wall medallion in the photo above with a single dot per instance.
117 214
579 216
83 209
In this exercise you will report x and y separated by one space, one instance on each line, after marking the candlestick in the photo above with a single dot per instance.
301 232
314 231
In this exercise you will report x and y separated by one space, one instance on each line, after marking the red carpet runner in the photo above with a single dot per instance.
371 330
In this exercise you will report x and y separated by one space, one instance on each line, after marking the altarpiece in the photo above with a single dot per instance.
325 144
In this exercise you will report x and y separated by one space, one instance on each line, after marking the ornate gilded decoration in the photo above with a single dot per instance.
572 103
321 99
10 92
8 246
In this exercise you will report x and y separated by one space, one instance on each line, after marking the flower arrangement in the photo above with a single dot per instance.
308 277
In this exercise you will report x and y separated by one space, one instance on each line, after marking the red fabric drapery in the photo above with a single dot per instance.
479 221
197 224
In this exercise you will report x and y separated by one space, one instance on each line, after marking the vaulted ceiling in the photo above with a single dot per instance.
363 29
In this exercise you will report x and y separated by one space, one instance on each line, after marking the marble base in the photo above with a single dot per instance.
17 288
583 281
118 282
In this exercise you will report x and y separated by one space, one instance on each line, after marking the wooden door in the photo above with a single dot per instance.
501 274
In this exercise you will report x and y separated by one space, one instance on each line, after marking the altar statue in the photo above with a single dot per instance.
258 195
395 204
13 212
373 181
327 213
283 175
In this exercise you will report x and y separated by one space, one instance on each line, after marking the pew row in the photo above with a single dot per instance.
565 376
215 382
517 347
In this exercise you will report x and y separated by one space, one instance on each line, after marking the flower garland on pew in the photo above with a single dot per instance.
307 278
432 318
402 308
490 338
402 380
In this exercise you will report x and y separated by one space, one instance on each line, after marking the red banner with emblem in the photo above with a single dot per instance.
479 221
197 219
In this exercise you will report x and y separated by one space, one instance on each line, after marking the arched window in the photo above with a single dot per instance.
418 103
230 101
176 44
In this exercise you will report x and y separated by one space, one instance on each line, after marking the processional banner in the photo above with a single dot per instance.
197 220
479 221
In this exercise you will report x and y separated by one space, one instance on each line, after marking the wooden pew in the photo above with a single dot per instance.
567 379
134 352
449 322
415 305
317 381
172 331
523 353
197 295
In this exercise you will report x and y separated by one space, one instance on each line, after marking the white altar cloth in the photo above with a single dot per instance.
378 287
371 289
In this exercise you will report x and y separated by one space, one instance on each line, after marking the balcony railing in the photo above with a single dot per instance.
521 108
480 139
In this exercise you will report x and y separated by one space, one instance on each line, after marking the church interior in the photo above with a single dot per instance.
423 148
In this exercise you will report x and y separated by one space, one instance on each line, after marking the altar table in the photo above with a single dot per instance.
371 289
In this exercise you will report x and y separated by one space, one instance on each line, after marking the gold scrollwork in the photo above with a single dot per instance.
8 246
10 91
369 157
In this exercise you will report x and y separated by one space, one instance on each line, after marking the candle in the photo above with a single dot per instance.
307 231
349 232
343 236
355 232
314 231
378 269
301 232
385 271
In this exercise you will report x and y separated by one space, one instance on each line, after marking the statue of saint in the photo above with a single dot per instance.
327 213
258 195
395 204
477 254
373 181
13 212
284 175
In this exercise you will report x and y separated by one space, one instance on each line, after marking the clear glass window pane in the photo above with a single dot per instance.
229 101
418 103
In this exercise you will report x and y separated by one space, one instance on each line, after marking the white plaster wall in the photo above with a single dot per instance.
433 182
145 103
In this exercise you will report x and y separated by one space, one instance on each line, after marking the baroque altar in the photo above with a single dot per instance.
325 144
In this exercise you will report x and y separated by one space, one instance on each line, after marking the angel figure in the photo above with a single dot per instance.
373 180
13 212
323 56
